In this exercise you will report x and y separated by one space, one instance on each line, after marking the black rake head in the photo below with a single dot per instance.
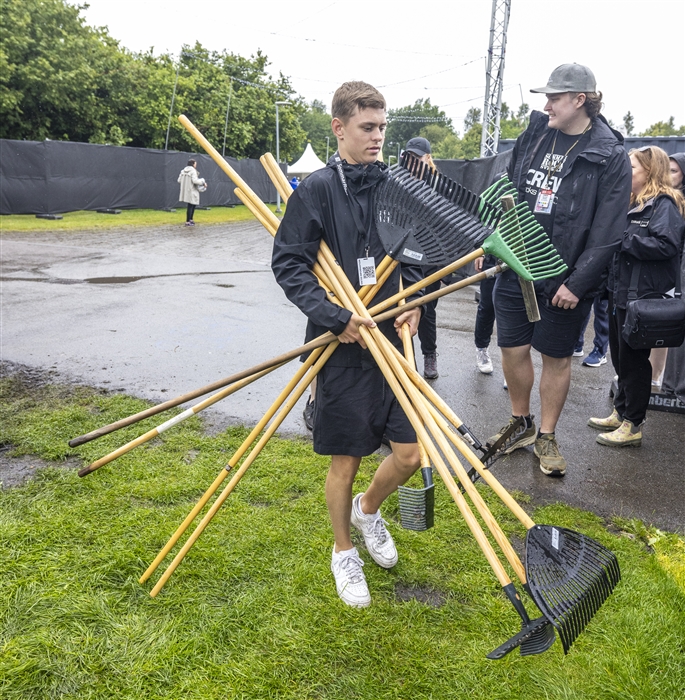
535 637
424 218
569 577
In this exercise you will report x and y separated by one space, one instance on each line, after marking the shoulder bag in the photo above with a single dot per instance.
653 323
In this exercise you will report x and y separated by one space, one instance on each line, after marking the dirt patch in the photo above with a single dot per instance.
34 385
16 471
435 599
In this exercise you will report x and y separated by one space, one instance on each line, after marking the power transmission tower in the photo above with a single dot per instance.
494 77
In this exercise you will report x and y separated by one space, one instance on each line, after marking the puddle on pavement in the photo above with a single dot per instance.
128 280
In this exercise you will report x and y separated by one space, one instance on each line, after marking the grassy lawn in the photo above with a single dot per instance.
252 610
90 220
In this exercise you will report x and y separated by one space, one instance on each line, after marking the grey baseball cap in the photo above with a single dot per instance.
569 77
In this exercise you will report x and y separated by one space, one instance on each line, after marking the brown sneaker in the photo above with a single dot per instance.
522 437
626 435
611 423
547 450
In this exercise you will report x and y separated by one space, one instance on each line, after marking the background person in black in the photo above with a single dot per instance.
573 170
653 240
354 406
428 332
674 374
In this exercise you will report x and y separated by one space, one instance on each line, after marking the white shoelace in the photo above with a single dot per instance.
352 566
379 531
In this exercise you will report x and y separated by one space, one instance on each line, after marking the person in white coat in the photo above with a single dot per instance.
191 186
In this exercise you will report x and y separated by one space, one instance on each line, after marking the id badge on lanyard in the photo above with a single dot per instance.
544 202
366 266
367 271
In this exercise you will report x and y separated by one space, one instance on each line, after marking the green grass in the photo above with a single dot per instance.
90 220
252 610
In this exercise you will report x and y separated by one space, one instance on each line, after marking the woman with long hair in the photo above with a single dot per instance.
653 240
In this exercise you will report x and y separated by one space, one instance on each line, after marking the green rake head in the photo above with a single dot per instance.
522 243
519 240
492 196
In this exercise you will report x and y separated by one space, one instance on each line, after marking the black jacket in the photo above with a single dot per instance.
654 237
319 209
591 202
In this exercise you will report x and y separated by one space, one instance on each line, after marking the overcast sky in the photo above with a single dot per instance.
430 48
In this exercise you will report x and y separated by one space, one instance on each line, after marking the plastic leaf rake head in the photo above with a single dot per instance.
493 195
523 244
425 218
569 577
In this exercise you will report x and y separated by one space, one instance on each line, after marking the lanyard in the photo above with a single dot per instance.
364 231
561 162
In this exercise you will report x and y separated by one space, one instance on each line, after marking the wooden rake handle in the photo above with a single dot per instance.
348 295
287 407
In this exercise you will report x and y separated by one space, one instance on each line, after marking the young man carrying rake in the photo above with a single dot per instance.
354 405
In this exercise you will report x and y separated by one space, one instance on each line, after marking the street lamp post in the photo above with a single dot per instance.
171 109
228 106
278 153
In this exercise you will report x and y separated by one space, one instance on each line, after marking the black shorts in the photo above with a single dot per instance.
352 409
554 335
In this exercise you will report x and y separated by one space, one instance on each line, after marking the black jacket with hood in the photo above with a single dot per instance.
654 239
319 209
594 195
679 159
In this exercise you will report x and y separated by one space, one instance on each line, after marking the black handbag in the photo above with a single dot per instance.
653 323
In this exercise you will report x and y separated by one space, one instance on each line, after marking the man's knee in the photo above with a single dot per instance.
556 365
344 467
516 358
407 456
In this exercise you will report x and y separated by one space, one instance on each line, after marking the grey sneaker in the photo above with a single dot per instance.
522 437
483 361
349 578
547 450
308 414
430 366
378 540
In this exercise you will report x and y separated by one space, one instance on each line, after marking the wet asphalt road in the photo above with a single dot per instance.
159 312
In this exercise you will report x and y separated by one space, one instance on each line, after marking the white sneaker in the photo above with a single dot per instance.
349 578
483 361
378 540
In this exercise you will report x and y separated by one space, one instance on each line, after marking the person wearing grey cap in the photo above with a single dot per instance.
573 171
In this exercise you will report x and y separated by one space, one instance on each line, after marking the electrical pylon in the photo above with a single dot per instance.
494 77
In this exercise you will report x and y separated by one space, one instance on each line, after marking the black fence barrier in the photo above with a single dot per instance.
52 177
478 174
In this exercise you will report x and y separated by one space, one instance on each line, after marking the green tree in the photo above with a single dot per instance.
513 125
472 117
628 123
61 79
406 122
206 82
664 129
316 123
53 69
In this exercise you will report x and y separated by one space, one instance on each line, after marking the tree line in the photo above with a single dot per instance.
61 79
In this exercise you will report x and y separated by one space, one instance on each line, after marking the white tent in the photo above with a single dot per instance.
308 163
